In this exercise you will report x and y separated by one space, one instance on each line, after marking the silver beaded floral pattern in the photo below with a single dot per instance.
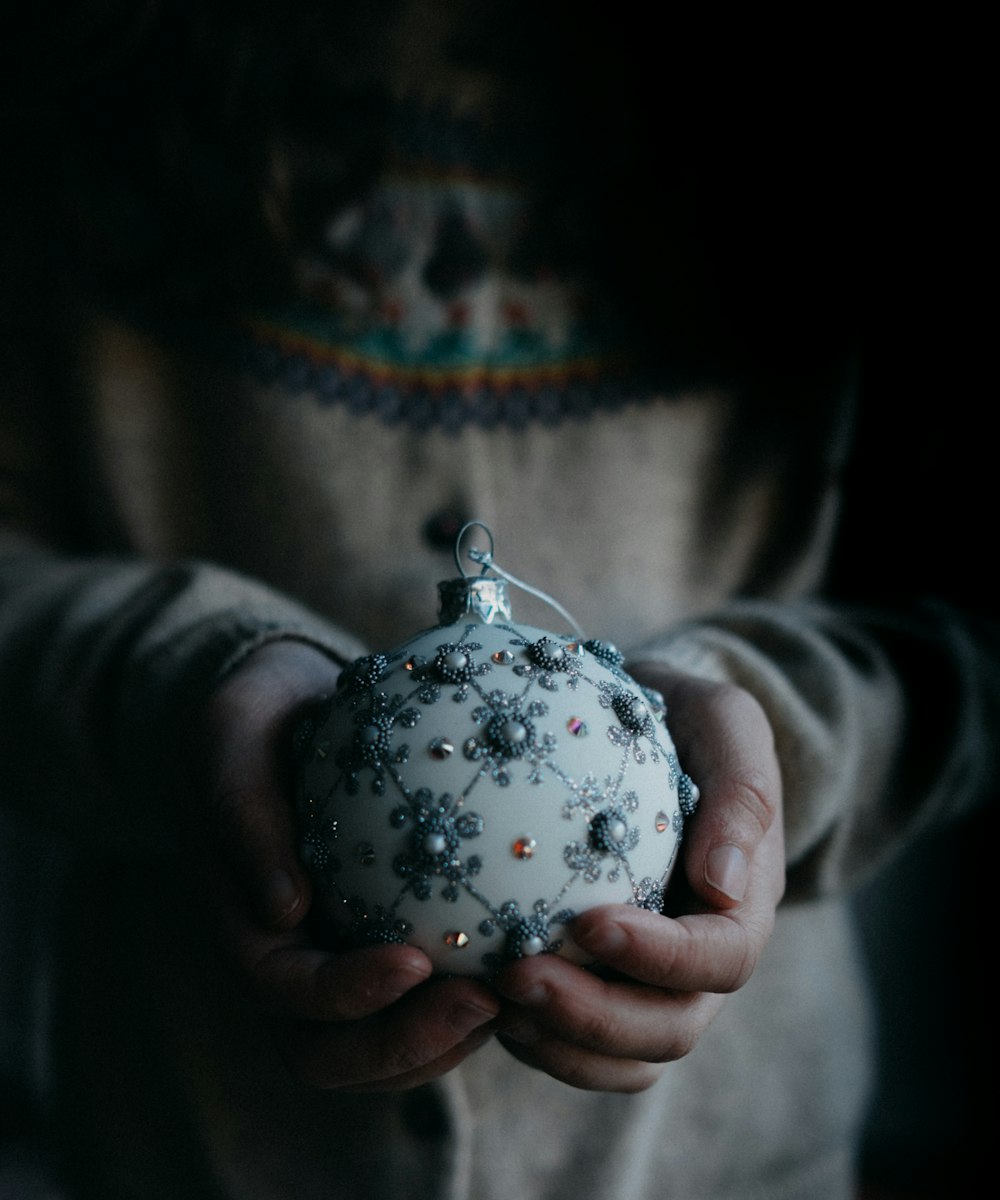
473 790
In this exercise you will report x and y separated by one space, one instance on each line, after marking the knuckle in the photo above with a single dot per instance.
599 1030
744 962
753 794
683 1040
744 706
689 1030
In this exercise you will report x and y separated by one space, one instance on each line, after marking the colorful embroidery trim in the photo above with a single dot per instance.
424 395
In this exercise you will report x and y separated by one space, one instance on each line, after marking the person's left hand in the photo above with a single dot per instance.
662 980
369 1019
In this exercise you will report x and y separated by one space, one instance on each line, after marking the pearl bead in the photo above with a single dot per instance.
455 660
435 843
532 945
515 732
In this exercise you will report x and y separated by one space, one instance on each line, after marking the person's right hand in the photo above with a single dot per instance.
664 978
364 1020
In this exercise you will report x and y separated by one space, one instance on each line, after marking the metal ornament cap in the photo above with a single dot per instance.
483 599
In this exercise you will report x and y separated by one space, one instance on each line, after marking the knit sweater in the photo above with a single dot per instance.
183 507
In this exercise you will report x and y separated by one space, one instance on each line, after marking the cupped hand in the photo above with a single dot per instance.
660 980
367 1019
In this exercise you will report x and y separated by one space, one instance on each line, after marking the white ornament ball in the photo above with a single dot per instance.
473 790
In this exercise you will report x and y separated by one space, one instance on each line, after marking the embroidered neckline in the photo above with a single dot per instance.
427 396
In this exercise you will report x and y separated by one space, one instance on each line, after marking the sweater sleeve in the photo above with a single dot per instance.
884 720
103 652
100 661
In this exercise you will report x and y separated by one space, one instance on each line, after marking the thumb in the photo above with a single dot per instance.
247 737
725 743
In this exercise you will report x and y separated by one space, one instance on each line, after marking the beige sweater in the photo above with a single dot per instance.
170 510
218 512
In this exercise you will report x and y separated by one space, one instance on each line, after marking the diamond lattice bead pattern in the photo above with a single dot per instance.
417 784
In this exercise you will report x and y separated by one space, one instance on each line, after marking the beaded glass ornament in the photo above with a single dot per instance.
474 789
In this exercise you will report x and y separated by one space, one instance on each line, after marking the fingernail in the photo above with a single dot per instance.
467 1015
281 897
605 941
532 992
726 870
403 979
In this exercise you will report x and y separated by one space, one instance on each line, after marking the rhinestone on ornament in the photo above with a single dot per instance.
441 748
524 847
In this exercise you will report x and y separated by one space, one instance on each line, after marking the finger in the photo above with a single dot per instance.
285 973
727 746
702 952
299 981
247 739
448 1061
581 1068
616 1019
393 1048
